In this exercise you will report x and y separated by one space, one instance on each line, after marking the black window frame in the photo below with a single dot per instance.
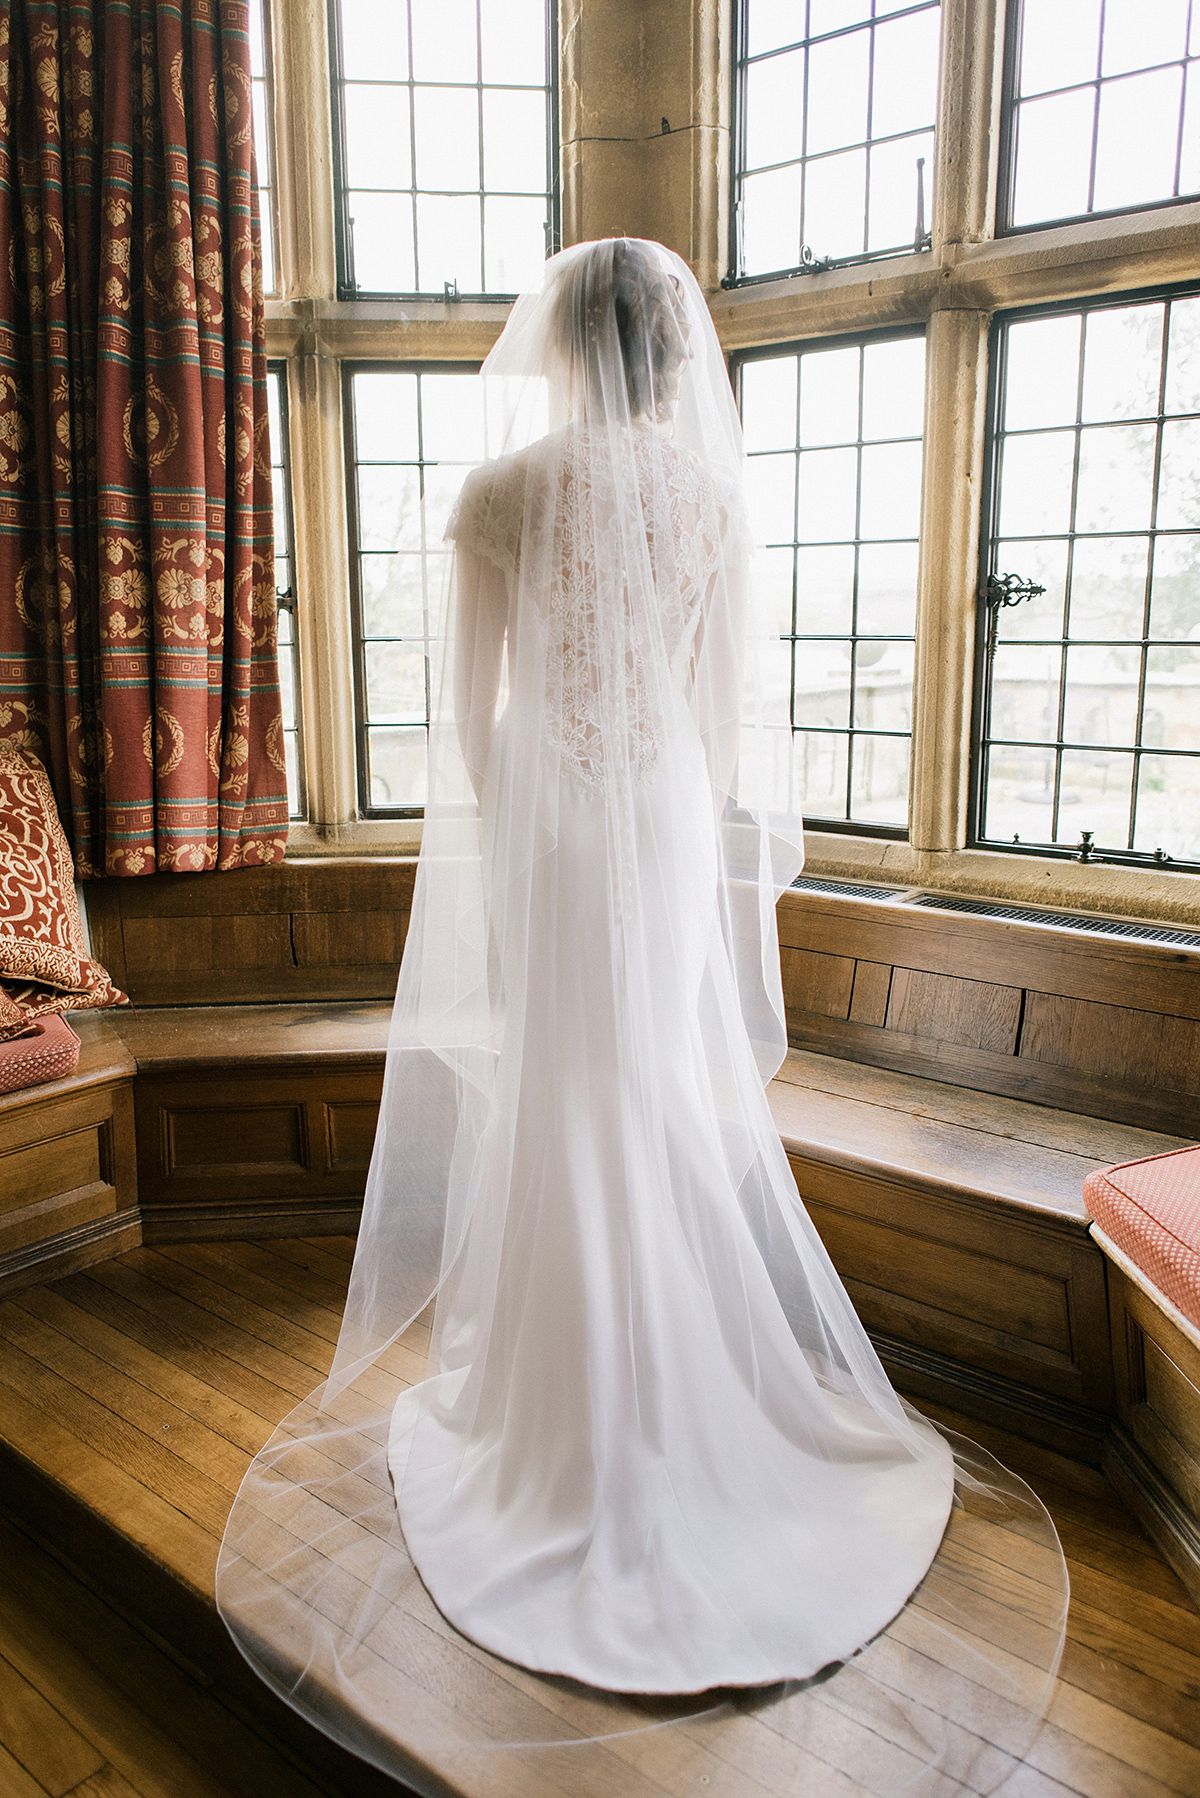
1007 145
989 519
285 597
739 62
377 365
892 833
347 289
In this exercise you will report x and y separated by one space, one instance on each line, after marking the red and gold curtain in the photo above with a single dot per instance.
137 598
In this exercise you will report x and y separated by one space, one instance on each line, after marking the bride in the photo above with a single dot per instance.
651 1448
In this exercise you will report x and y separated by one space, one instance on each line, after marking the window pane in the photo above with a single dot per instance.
1105 664
414 435
1102 108
289 667
374 40
840 119
461 194
378 147
261 103
834 442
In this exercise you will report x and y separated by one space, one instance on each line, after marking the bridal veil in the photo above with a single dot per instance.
601 1418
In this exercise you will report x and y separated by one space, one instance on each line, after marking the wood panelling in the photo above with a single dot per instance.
350 1132
1113 1041
1022 1298
1108 1029
872 988
68 1180
1157 1371
1145 976
291 1142
233 1135
349 939
973 1013
817 983
204 945
300 931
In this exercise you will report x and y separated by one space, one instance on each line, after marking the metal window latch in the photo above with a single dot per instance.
813 265
450 289
1085 846
1008 590
285 599
922 239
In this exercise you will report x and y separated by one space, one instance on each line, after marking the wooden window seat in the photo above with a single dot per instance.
940 1123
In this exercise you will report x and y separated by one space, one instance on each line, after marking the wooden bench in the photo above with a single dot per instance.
953 1079
68 1180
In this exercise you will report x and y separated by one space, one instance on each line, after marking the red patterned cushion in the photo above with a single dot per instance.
40 934
44 966
50 1053
13 1021
1151 1210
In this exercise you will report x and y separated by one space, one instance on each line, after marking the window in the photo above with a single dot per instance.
836 107
261 100
834 439
1105 107
285 585
414 434
445 127
1090 718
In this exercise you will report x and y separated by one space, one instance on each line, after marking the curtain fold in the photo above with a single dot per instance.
137 591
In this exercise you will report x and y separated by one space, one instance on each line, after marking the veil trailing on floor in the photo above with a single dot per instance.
598 1391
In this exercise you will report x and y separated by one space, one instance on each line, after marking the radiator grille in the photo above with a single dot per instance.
844 889
1027 914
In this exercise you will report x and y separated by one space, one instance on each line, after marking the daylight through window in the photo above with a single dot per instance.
285 585
838 100
1091 705
834 439
444 122
1106 106
415 434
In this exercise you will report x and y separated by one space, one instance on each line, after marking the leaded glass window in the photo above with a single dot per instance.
285 586
446 123
835 108
1090 710
260 95
833 433
414 435
1104 109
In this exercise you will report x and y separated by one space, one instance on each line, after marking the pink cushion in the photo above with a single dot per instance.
1151 1210
49 1052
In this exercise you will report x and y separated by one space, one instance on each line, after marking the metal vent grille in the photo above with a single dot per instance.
1025 914
844 889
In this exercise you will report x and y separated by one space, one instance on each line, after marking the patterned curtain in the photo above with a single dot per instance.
137 597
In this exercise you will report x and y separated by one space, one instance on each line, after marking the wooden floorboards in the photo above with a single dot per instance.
140 1389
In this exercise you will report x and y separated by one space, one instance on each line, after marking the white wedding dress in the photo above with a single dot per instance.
647 1446
625 1467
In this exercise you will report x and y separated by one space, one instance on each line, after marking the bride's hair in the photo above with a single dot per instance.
623 283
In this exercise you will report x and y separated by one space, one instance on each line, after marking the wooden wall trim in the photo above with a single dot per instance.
70 1250
1076 1430
1144 1490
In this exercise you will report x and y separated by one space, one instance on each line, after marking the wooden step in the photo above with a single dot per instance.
134 1393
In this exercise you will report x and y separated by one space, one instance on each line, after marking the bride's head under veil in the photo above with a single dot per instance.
612 815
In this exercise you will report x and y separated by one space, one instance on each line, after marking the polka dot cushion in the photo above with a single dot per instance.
1151 1210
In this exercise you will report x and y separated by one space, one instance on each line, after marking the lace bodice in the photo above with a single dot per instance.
614 570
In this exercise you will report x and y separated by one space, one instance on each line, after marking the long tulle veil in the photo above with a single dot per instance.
608 383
